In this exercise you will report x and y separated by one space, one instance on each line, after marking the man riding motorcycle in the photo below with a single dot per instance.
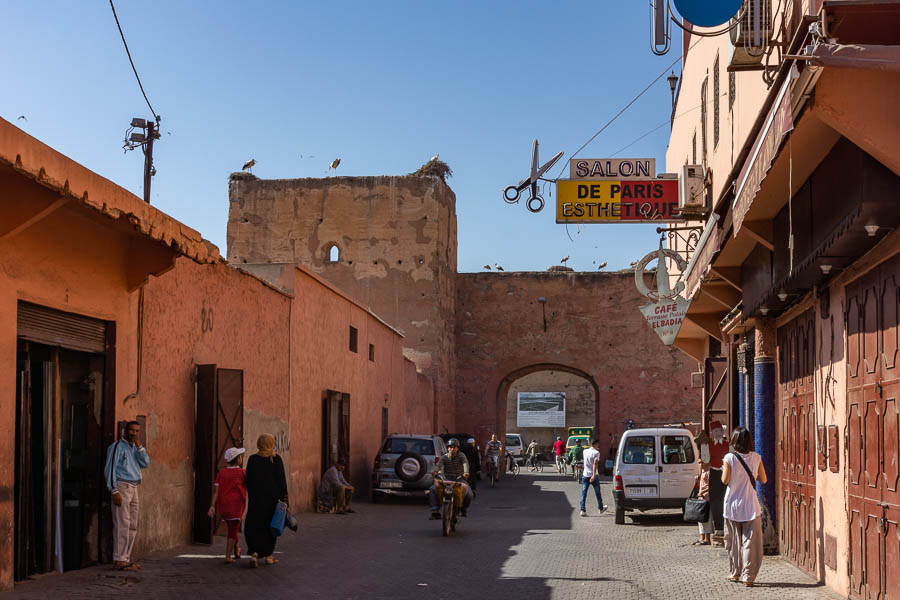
576 454
452 465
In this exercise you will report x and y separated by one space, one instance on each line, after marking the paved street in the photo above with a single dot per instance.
524 540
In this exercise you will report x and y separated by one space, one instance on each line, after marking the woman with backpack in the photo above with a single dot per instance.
741 469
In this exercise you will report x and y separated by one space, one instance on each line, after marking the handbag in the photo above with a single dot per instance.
696 510
278 519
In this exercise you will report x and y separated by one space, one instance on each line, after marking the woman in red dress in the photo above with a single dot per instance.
229 499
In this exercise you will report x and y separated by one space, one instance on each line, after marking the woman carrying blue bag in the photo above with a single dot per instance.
267 492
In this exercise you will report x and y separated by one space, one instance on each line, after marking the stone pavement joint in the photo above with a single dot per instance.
523 539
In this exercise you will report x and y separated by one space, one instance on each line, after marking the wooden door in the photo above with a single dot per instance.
716 400
797 424
23 561
220 425
873 433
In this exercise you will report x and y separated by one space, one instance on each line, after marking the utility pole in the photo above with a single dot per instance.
145 141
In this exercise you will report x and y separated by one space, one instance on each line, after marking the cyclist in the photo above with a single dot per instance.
492 451
559 449
531 453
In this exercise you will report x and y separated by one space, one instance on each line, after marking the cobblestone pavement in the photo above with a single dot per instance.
524 540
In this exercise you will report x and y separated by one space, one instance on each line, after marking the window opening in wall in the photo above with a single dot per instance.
716 102
354 339
732 89
334 253
704 93
372 352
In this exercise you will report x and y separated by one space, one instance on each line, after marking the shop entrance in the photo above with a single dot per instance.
797 406
59 451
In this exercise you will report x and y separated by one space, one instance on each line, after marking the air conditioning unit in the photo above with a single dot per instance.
692 191
750 35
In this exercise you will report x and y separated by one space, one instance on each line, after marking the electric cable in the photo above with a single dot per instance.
128 52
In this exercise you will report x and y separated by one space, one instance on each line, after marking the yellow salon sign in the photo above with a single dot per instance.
617 201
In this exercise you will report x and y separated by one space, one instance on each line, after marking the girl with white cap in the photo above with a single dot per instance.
229 499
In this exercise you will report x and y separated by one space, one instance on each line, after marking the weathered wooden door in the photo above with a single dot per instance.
716 400
23 562
797 410
220 425
335 429
873 433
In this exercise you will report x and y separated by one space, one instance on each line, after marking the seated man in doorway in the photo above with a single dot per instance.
454 467
334 491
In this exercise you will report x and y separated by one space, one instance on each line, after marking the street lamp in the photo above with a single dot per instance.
673 83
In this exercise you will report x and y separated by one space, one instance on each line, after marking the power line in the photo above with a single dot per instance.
128 52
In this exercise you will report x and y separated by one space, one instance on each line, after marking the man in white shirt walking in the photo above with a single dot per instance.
591 476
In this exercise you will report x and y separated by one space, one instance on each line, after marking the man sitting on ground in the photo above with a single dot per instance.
453 465
334 491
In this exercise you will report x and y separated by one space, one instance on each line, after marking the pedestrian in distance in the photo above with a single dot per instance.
706 528
266 486
559 451
531 453
591 476
125 458
335 491
742 468
470 450
229 498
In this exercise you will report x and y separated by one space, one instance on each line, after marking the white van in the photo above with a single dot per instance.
515 445
655 468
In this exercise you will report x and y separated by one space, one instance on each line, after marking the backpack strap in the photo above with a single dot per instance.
746 468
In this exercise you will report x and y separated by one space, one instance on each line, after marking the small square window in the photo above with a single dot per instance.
354 339
372 352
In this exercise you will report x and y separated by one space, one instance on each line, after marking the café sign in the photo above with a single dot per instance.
667 308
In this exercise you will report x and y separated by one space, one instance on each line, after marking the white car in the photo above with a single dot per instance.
655 468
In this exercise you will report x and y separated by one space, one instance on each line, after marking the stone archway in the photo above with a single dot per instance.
508 382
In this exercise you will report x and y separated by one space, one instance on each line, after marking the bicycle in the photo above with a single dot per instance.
512 464
537 463
492 469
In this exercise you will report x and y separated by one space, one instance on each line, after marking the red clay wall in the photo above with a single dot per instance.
593 326
204 314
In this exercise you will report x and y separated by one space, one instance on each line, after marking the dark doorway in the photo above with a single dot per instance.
59 458
335 429
220 425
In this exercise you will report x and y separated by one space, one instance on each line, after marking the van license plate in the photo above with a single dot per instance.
392 484
641 491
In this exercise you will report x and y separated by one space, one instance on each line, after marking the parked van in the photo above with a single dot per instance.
655 468
515 445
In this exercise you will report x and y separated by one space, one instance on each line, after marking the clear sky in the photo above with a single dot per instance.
384 85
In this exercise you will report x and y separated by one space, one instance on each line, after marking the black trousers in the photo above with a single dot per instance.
717 499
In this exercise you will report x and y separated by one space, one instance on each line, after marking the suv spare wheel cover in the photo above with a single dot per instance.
410 467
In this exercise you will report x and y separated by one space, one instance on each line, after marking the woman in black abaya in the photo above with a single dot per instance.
266 485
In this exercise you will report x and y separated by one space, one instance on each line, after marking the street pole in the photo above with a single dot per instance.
148 159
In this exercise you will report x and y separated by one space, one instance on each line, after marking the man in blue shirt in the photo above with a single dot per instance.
124 460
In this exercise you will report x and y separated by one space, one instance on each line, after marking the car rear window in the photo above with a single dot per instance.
401 445
677 450
639 450
513 441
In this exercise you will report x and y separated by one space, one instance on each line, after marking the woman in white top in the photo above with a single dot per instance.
743 516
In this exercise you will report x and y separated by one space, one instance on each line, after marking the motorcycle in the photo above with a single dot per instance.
451 494
578 470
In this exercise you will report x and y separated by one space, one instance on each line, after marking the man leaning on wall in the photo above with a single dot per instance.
124 460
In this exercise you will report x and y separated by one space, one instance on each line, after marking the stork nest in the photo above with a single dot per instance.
434 168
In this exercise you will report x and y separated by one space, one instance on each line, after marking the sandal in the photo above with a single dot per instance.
128 567
230 561
748 584
699 543
734 579
271 560
237 553
254 560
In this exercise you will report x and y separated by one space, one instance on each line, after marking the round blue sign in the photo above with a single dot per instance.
707 13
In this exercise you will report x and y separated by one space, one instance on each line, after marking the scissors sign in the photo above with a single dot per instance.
535 202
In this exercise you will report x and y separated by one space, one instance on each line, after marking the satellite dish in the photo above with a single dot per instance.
707 13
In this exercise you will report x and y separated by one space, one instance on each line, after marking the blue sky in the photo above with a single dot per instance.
382 85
